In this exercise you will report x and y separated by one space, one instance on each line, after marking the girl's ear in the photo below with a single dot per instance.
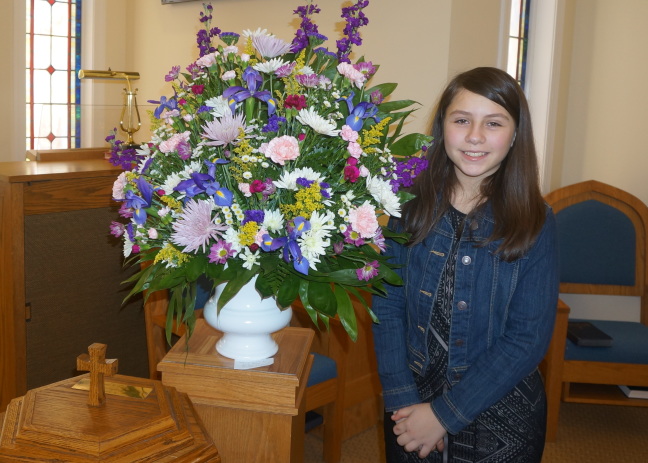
513 141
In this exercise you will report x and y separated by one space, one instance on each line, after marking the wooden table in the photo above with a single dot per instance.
253 415
31 192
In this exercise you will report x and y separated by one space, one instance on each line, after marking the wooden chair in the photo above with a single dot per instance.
325 387
603 234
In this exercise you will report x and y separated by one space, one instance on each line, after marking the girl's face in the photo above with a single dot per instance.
478 135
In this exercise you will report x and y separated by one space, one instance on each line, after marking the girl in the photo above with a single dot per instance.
458 345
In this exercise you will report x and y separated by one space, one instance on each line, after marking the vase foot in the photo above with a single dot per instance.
247 347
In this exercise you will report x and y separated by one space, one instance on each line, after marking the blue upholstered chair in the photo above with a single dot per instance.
603 234
324 389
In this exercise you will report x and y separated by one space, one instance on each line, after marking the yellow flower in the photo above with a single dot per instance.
372 135
171 255
172 203
307 200
248 232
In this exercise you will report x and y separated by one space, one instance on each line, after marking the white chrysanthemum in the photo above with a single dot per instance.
382 192
316 122
306 70
170 183
322 223
273 220
270 66
219 106
288 179
231 237
250 258
313 245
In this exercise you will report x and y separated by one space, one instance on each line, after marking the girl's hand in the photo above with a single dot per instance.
418 429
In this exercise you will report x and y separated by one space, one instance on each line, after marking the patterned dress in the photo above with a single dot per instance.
512 430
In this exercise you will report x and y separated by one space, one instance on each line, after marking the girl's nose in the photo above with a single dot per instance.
475 135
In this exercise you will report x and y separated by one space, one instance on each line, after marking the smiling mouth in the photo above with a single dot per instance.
475 154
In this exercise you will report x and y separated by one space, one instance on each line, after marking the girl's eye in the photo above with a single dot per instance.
494 124
461 121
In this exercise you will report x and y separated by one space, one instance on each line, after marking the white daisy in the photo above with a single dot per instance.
288 179
381 191
310 118
250 33
250 258
270 66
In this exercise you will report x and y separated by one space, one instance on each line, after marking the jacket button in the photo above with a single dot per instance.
459 342
421 328
462 305
466 260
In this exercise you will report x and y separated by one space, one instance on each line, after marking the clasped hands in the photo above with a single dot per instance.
418 429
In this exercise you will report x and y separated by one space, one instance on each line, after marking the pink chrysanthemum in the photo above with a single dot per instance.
195 228
369 271
270 47
225 130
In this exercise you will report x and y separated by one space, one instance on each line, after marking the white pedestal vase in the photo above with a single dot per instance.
247 322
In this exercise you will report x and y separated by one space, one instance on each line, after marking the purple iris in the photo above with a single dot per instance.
206 183
139 203
359 112
291 250
165 103
253 80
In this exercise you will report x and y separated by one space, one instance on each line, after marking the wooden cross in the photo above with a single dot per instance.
98 366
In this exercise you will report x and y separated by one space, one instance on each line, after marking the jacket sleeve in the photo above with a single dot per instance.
390 338
522 345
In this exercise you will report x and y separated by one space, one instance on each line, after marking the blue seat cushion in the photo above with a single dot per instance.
324 368
629 345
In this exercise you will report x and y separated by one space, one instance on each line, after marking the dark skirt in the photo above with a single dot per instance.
512 430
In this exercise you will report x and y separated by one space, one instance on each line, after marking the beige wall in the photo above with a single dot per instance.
605 126
413 52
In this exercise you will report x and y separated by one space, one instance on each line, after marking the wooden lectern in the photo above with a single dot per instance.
254 415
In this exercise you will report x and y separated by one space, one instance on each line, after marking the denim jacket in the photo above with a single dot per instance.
502 318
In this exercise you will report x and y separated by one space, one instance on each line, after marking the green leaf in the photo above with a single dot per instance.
322 298
303 296
410 144
390 106
288 291
346 313
391 277
196 267
385 89
234 286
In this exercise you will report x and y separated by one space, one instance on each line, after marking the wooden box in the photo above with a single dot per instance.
255 415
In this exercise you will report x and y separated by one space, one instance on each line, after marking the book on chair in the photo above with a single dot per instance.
585 334
635 392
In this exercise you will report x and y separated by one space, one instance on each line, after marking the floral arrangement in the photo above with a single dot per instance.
274 159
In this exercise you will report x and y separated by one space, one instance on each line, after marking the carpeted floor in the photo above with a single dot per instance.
587 433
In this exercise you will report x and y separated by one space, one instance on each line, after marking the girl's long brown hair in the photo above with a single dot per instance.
513 190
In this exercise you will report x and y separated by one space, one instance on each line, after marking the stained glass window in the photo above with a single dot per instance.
53 59
518 37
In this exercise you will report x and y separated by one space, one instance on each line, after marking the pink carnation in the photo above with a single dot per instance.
118 186
354 149
348 134
245 189
363 220
282 149
351 73
171 145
